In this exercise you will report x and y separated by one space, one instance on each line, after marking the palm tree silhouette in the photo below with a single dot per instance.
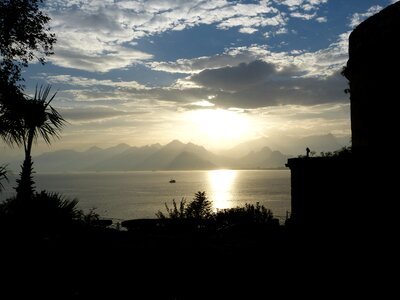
3 175
22 121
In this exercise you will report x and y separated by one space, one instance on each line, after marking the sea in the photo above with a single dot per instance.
141 194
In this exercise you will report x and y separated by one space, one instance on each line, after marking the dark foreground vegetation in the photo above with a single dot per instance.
50 249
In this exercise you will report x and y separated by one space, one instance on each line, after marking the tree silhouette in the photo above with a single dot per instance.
24 36
34 117
200 208
11 100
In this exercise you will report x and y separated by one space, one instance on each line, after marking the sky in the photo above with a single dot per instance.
211 72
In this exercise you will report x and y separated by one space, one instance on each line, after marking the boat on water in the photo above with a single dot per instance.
172 181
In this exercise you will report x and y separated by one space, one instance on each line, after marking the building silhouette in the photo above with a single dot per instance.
354 193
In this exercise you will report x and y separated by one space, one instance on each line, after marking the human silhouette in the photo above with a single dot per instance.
308 152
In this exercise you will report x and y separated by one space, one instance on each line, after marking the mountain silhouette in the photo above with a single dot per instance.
126 160
189 161
265 158
265 152
291 146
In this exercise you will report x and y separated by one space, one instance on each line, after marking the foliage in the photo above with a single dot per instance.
38 118
45 213
342 152
55 207
91 217
24 36
174 212
249 214
3 175
24 120
200 208
10 102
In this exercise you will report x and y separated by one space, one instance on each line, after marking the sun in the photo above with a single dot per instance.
221 126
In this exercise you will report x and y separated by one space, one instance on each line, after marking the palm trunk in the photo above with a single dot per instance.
26 188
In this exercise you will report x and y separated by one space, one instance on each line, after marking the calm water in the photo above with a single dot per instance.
130 195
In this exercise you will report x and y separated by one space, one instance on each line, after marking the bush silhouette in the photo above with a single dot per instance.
200 208
199 212
249 214
46 214
174 212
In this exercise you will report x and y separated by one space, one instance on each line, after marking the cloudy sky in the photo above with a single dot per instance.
211 72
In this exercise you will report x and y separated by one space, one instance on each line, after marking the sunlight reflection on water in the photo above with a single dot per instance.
222 183
140 194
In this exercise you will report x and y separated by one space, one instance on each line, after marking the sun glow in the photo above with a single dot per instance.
220 126
221 183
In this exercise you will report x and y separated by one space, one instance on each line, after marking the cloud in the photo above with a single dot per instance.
303 9
100 36
357 18
230 57
230 78
90 82
304 4
300 120
103 59
257 21
92 113
243 77
321 19
247 30
259 84
254 76
303 15
290 2
320 63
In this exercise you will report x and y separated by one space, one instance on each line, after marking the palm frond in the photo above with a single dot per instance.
46 121
3 176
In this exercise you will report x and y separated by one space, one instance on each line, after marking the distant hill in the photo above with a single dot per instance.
189 161
265 152
265 158
71 160
173 156
291 146
124 161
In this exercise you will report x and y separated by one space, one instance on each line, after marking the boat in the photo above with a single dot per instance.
172 181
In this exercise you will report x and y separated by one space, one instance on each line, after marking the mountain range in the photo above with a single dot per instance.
176 155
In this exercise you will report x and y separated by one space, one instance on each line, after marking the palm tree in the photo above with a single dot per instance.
22 122
3 176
